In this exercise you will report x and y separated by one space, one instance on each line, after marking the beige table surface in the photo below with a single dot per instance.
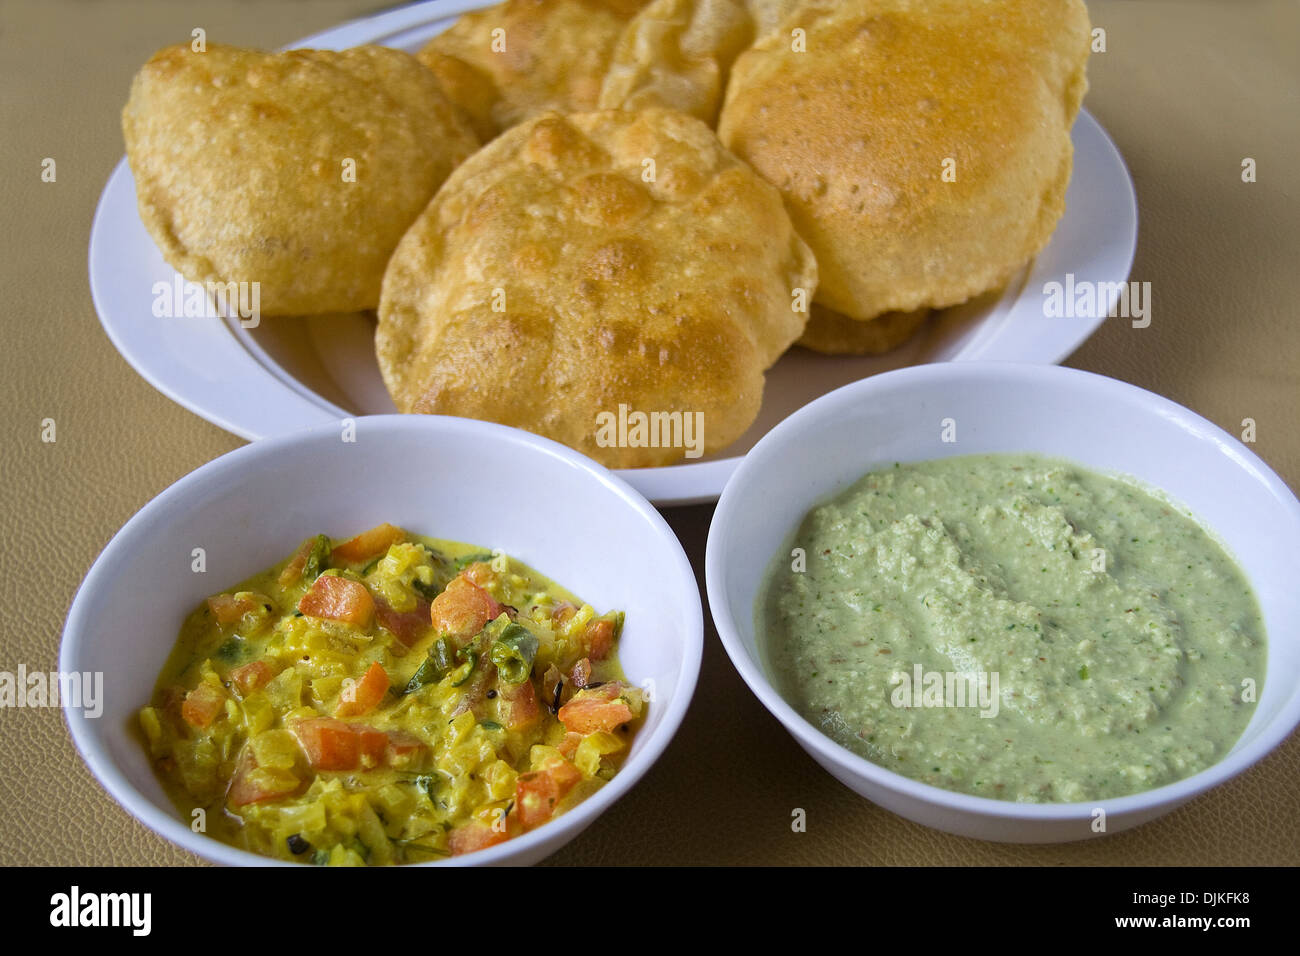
1187 89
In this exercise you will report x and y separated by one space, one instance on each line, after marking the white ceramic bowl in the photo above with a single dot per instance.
1098 422
446 477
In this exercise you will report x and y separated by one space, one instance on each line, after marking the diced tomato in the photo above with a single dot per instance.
367 544
292 572
202 705
480 573
598 638
581 673
565 774
228 609
538 792
462 609
328 743
362 696
404 749
252 676
372 744
339 599
593 710
246 788
517 704
407 626
334 745
569 745
474 836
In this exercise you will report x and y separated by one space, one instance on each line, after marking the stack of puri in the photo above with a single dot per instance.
563 207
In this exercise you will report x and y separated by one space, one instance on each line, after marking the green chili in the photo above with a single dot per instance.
318 559
439 663
513 653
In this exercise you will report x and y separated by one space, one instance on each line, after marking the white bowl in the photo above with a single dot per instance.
446 477
1100 423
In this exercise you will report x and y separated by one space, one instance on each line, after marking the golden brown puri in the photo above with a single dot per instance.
516 59
834 334
858 133
770 14
549 282
677 54
240 164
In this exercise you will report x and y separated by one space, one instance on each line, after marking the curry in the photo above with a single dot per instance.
389 699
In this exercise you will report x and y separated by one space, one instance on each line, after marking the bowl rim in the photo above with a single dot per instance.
553 834
786 436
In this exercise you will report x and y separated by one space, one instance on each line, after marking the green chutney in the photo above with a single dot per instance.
1105 642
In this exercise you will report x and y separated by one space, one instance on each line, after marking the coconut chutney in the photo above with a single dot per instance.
1106 643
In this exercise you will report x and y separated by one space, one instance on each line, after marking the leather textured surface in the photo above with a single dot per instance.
1187 89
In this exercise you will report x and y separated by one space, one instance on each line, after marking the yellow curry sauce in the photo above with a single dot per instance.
388 699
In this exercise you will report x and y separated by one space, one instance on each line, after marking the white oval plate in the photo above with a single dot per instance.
289 374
